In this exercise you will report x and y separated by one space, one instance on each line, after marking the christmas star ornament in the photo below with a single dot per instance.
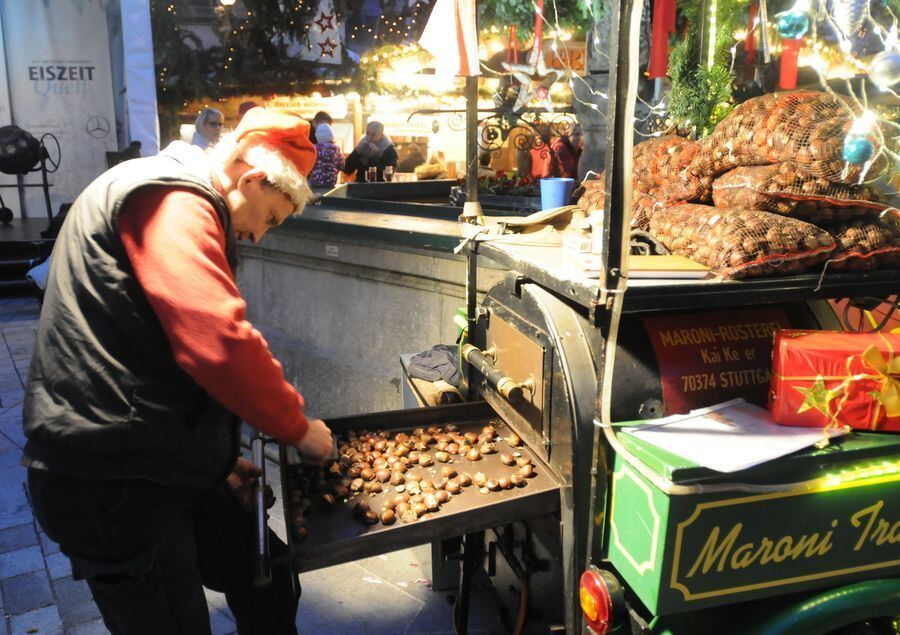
325 21
535 80
817 397
327 47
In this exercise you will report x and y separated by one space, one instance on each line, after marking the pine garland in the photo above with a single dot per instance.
573 15
701 96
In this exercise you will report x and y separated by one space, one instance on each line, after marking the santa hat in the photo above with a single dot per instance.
277 142
284 132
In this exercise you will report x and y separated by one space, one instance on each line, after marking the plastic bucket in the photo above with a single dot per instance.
556 192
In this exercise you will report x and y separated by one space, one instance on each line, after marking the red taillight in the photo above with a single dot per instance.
596 596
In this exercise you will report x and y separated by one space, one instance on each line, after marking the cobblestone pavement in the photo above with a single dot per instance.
386 594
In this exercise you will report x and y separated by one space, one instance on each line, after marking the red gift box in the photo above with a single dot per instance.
824 378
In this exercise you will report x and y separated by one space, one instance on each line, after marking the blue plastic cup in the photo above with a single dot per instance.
556 192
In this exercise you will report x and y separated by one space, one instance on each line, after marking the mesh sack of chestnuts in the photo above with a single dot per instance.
787 189
643 203
864 245
739 243
663 165
806 127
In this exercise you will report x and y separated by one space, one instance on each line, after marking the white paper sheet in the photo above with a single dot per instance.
728 437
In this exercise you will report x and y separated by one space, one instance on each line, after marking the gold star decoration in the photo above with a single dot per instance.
327 47
325 21
817 397
535 79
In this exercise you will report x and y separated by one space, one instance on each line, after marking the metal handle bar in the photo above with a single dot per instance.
262 566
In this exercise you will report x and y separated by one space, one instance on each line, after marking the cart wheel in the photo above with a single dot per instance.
6 215
874 626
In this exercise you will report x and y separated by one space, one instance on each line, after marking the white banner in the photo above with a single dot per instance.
140 76
10 196
57 59
324 35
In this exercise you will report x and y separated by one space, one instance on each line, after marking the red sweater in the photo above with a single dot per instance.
176 245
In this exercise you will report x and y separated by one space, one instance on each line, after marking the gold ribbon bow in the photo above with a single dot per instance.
888 370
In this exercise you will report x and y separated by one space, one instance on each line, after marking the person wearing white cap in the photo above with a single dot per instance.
329 159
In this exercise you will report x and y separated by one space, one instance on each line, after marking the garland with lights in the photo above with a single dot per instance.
571 15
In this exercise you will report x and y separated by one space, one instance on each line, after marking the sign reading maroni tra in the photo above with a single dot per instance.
736 546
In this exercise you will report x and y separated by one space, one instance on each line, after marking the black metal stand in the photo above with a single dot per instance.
472 559
45 184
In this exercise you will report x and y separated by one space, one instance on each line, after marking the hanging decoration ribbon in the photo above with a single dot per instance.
750 41
887 371
663 27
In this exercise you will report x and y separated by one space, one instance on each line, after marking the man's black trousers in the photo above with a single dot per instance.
147 551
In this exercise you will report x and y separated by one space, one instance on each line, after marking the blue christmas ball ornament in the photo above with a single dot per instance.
793 24
858 150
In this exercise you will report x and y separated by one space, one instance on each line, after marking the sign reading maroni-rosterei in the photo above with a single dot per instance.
746 544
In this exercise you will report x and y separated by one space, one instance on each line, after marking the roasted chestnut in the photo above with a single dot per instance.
492 484
514 440
479 479
388 517
441 446
400 498
367 473
426 485
488 448
443 457
442 496
425 460
373 487
357 484
353 471
380 464
504 482
402 508
420 509
517 479
448 472
397 478
453 487
370 517
488 431
432 503
383 475
507 459
473 454
453 448
414 456
523 460
527 471
380 445
465 479
433 430
471 437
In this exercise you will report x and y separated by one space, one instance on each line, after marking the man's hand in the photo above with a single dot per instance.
318 442
242 480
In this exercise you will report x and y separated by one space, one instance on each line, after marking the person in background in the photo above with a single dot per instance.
375 149
566 154
244 108
319 118
329 159
412 157
484 165
144 366
208 128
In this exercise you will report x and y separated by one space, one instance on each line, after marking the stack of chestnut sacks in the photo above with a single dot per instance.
406 476
769 192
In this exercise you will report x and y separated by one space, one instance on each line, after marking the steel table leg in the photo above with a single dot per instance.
472 561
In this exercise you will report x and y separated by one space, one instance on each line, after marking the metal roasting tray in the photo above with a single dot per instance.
335 536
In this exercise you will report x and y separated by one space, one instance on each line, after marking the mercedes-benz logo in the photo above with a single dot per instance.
97 126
